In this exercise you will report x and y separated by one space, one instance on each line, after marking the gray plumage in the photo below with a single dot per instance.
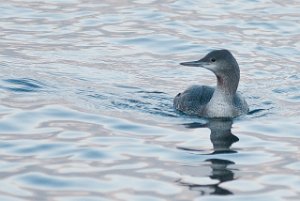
221 102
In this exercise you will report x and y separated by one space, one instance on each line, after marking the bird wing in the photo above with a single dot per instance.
194 99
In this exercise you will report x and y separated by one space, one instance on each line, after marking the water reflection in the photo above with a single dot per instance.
222 139
220 136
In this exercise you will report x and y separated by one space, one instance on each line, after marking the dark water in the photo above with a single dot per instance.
86 91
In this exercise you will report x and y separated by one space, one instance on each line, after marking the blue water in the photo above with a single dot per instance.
86 91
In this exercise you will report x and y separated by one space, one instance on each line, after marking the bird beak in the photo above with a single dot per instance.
198 63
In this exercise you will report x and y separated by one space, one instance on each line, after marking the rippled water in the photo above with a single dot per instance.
86 91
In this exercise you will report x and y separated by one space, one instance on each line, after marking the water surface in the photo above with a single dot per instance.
86 91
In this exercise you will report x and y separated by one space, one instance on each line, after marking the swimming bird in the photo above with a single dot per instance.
223 101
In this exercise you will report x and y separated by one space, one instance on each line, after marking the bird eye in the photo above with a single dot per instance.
212 59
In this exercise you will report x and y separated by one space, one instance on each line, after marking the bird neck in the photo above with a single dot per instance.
225 90
227 85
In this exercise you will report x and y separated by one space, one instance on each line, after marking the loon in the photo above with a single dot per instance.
221 102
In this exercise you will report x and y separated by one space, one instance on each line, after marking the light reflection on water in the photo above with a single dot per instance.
86 93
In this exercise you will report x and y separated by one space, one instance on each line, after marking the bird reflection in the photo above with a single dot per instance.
222 139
